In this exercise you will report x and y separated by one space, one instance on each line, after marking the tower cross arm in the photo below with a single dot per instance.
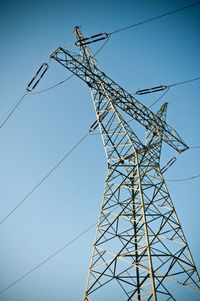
93 76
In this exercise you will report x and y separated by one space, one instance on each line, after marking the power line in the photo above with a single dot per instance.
168 87
159 98
54 86
51 256
31 86
104 35
44 178
92 128
184 82
53 169
106 41
111 33
112 14
185 179
52 214
154 18
69 243
73 240
48 258
189 178
13 109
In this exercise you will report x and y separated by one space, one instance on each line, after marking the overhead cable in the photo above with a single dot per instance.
12 109
169 86
82 233
184 82
108 35
49 216
91 129
102 46
54 86
30 87
45 177
154 18
198 146
185 179
159 98
51 256
48 258
112 14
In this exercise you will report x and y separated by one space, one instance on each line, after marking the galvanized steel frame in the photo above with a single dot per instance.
139 241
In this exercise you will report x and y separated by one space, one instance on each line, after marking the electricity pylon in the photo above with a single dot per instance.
139 242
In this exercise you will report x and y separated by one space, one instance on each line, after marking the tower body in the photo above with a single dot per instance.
139 246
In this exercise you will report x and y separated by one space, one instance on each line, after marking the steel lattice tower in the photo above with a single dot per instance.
139 242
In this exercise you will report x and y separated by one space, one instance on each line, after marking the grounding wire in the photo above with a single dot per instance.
67 38
111 15
154 18
45 177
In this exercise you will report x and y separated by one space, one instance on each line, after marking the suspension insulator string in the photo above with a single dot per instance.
164 87
169 163
38 76
151 90
92 39
30 87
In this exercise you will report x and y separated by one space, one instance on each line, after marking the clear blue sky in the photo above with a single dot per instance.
48 125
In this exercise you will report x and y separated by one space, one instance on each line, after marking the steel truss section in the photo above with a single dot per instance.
139 242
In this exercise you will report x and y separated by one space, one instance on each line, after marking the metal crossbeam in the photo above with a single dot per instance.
122 99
